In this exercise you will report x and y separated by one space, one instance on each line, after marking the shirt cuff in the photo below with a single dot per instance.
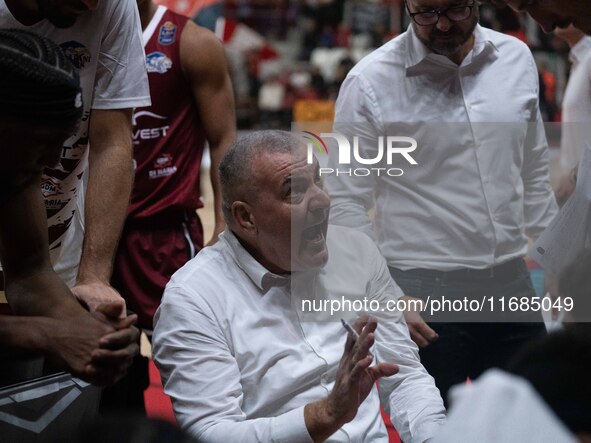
291 428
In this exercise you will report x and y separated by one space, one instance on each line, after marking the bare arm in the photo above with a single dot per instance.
53 323
25 255
204 66
107 197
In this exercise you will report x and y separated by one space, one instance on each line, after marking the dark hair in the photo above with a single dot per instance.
37 81
558 368
237 172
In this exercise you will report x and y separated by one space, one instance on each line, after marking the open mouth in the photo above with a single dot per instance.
314 234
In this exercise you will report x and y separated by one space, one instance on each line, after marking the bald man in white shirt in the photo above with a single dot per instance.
238 356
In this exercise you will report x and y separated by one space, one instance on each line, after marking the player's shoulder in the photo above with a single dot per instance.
199 38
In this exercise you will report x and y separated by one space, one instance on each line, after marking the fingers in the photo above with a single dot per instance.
111 309
421 333
120 339
361 366
114 322
361 359
126 322
383 370
112 358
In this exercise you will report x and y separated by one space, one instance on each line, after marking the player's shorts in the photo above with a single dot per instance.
149 252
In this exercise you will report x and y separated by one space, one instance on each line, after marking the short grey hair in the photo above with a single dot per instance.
237 172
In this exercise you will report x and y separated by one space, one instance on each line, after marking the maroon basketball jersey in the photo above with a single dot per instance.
168 136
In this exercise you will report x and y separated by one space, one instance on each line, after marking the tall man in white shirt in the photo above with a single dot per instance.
242 362
454 225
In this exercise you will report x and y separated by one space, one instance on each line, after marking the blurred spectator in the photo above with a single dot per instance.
547 91
271 101
209 13
318 82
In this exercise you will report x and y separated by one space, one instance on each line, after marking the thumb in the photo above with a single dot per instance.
384 370
112 309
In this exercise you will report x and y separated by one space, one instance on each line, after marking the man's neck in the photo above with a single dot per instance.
572 41
25 11
147 9
461 54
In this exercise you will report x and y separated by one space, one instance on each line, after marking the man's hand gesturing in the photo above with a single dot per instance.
354 381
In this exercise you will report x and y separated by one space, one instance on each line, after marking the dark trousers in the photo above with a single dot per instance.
467 348
127 395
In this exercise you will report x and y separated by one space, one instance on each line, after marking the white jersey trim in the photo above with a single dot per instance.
149 31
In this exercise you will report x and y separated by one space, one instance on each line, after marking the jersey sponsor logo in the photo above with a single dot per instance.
167 34
148 133
163 166
158 62
139 114
77 53
49 187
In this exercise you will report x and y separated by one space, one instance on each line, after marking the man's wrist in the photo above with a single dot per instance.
88 278
321 420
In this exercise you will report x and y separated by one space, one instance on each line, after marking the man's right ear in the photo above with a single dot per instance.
243 216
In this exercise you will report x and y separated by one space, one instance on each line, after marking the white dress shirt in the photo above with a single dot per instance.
501 407
576 106
481 184
240 360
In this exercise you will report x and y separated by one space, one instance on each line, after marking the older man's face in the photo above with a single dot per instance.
291 213
556 13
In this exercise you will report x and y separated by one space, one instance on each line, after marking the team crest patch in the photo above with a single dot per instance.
77 53
167 34
158 62
163 167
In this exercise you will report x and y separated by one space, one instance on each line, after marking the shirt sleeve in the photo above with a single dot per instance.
410 397
121 77
353 196
538 198
202 377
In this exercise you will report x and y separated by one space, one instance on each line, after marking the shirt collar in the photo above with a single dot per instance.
579 50
260 276
418 56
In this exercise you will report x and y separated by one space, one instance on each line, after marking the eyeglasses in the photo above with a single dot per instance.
429 18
